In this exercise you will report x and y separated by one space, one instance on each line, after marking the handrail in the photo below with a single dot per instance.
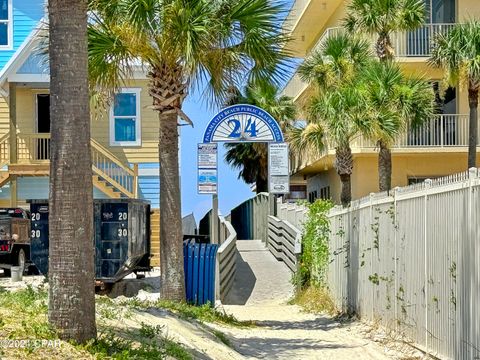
100 148
32 148
226 259
4 150
107 166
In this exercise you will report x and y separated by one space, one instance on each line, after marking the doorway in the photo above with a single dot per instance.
42 146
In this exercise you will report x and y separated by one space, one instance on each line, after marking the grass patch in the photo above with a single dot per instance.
315 299
23 316
204 313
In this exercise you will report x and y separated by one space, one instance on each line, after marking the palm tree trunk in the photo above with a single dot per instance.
384 48
384 167
344 166
168 91
171 237
346 194
71 264
473 127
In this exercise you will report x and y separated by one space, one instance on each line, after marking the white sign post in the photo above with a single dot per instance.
278 168
208 182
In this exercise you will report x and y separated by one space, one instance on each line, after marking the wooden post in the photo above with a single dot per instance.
135 181
12 104
214 221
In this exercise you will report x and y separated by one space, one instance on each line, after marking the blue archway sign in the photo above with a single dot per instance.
236 124
243 123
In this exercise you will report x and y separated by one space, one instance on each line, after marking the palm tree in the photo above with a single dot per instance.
252 158
382 18
397 103
337 112
458 53
182 43
71 270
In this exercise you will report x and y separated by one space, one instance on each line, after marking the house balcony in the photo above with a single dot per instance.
411 46
442 133
30 156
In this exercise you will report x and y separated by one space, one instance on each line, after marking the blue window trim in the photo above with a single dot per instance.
9 21
138 123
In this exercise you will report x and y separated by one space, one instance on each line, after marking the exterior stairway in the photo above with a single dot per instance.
109 174
155 237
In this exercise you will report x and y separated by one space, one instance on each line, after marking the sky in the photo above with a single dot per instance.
231 190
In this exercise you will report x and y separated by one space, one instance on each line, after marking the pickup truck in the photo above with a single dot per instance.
14 238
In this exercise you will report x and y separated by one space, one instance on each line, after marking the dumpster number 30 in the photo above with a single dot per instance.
122 232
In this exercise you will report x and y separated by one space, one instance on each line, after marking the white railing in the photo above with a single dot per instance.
440 131
417 43
226 264
284 241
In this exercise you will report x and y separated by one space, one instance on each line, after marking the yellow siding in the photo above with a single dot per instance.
365 173
4 117
147 152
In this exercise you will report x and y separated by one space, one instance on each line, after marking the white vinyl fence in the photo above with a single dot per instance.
411 260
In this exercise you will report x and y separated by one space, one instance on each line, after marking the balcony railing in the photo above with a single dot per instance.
410 44
440 131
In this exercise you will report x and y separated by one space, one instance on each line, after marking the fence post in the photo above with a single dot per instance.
395 230
372 295
428 185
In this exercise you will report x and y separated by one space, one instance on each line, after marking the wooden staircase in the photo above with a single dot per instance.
155 237
110 175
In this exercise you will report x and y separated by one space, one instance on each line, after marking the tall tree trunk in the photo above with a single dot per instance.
171 254
344 166
384 167
473 127
71 268
168 91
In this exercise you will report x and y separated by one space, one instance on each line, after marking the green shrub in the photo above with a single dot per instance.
314 259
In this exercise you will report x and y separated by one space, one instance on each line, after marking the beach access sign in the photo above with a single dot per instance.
278 168
207 169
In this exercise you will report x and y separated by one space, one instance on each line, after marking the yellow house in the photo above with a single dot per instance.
438 149
124 138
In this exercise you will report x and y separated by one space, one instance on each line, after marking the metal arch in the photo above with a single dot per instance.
242 109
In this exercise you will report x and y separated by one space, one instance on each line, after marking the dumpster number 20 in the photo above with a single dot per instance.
35 216
122 216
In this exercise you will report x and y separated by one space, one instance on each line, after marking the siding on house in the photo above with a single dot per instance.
147 152
26 15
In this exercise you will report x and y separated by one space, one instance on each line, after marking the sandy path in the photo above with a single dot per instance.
261 291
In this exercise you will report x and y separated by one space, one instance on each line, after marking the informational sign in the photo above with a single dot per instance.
278 168
243 123
207 168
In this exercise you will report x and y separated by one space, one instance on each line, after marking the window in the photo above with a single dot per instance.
125 129
6 24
